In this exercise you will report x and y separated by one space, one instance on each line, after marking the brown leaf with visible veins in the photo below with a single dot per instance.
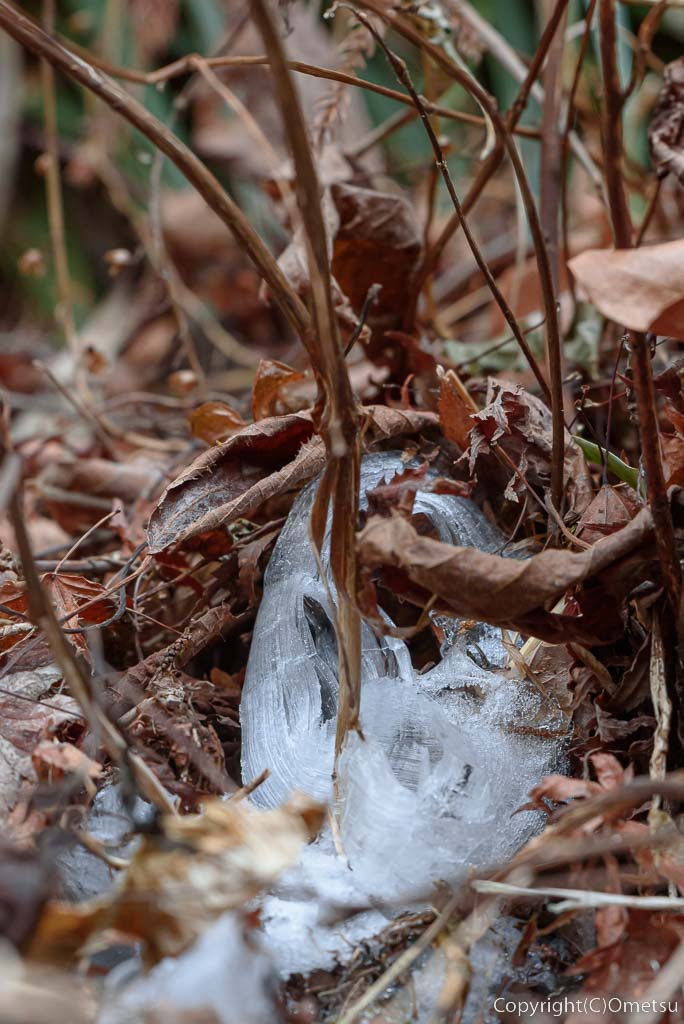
520 424
610 510
227 481
666 131
264 460
502 591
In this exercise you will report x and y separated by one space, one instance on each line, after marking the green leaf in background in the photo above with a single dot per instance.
595 454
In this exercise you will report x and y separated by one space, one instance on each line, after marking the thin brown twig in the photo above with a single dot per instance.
552 149
569 118
493 161
55 206
184 65
640 355
553 340
401 71
43 616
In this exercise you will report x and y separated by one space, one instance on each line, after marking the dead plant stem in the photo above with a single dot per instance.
55 206
640 355
553 339
339 417
401 71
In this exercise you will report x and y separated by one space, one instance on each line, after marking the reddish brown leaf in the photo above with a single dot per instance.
455 411
489 588
378 242
610 510
263 460
215 421
520 424
272 383
71 594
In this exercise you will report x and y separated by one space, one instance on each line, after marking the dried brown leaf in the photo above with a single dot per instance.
264 460
642 289
206 864
610 510
215 421
378 241
455 410
489 588
235 478
520 425
272 383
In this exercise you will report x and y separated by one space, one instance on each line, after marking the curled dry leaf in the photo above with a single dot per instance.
204 865
520 425
230 480
215 421
271 391
665 133
502 591
264 460
378 241
642 289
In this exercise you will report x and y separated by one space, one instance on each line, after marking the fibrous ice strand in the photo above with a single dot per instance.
447 755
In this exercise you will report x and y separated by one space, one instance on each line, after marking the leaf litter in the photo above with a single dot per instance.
156 568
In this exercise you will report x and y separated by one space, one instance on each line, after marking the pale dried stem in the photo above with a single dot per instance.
340 419
55 205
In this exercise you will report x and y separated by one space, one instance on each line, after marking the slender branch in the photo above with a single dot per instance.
401 71
185 65
640 356
553 340
35 39
569 118
53 188
552 150
613 103
493 161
